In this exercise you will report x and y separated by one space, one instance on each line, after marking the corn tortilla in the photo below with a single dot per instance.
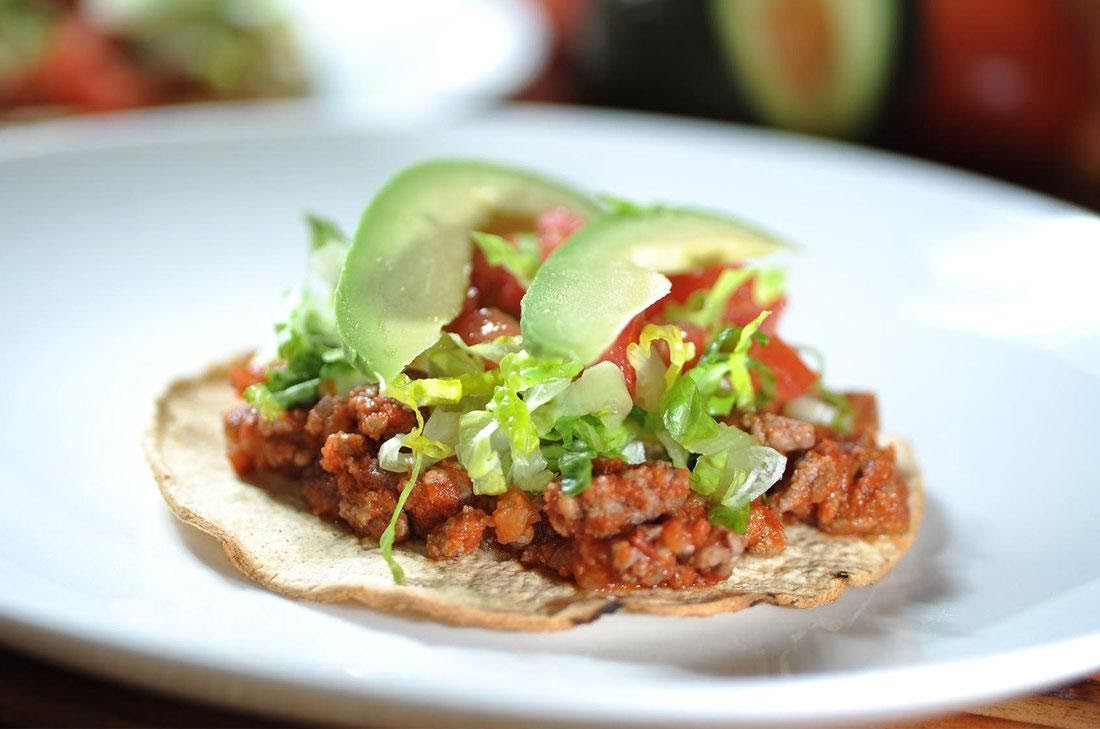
269 535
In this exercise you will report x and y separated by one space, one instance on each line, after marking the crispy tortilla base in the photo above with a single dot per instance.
268 534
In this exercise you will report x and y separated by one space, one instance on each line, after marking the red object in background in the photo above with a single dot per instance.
81 68
1001 81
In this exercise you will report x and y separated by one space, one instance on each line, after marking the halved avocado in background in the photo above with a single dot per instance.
821 66
755 60
408 269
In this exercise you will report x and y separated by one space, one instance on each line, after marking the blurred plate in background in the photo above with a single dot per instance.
419 57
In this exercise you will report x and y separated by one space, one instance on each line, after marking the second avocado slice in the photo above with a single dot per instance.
611 270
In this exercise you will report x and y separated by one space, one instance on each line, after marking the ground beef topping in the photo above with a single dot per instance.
635 526
459 535
615 501
765 536
255 443
515 517
379 418
864 411
320 493
439 494
845 487
682 550
784 434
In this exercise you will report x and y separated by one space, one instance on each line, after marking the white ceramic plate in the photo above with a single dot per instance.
135 248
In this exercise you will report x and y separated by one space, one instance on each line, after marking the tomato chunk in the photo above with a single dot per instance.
554 226
740 310
483 325
496 287
616 353
792 376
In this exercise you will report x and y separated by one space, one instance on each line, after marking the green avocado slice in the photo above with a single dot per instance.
612 269
408 269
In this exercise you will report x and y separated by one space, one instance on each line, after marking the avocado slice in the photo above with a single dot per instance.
820 66
612 269
408 269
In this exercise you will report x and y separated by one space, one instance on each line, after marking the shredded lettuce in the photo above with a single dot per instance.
768 286
264 401
722 374
653 377
500 444
586 420
707 308
574 442
385 542
323 231
844 417
309 350
528 466
519 261
599 391
424 447
730 468
620 206
477 453
415 394
575 467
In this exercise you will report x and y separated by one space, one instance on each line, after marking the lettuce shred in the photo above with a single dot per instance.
518 258
307 346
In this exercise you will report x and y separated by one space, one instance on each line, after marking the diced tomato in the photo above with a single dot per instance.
741 308
685 284
483 325
616 353
554 226
495 285
243 376
792 376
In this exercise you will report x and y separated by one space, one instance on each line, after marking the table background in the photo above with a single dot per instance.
34 693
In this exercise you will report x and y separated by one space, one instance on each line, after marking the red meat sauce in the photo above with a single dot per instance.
635 526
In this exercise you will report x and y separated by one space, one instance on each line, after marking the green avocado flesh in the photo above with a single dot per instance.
819 66
611 270
408 269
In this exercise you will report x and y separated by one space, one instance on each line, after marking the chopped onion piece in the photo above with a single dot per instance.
811 410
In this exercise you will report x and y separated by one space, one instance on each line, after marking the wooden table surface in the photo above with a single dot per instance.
33 693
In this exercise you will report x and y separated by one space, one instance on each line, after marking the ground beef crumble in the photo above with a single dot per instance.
635 526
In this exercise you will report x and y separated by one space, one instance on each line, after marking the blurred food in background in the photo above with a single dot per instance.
385 59
59 56
1007 87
